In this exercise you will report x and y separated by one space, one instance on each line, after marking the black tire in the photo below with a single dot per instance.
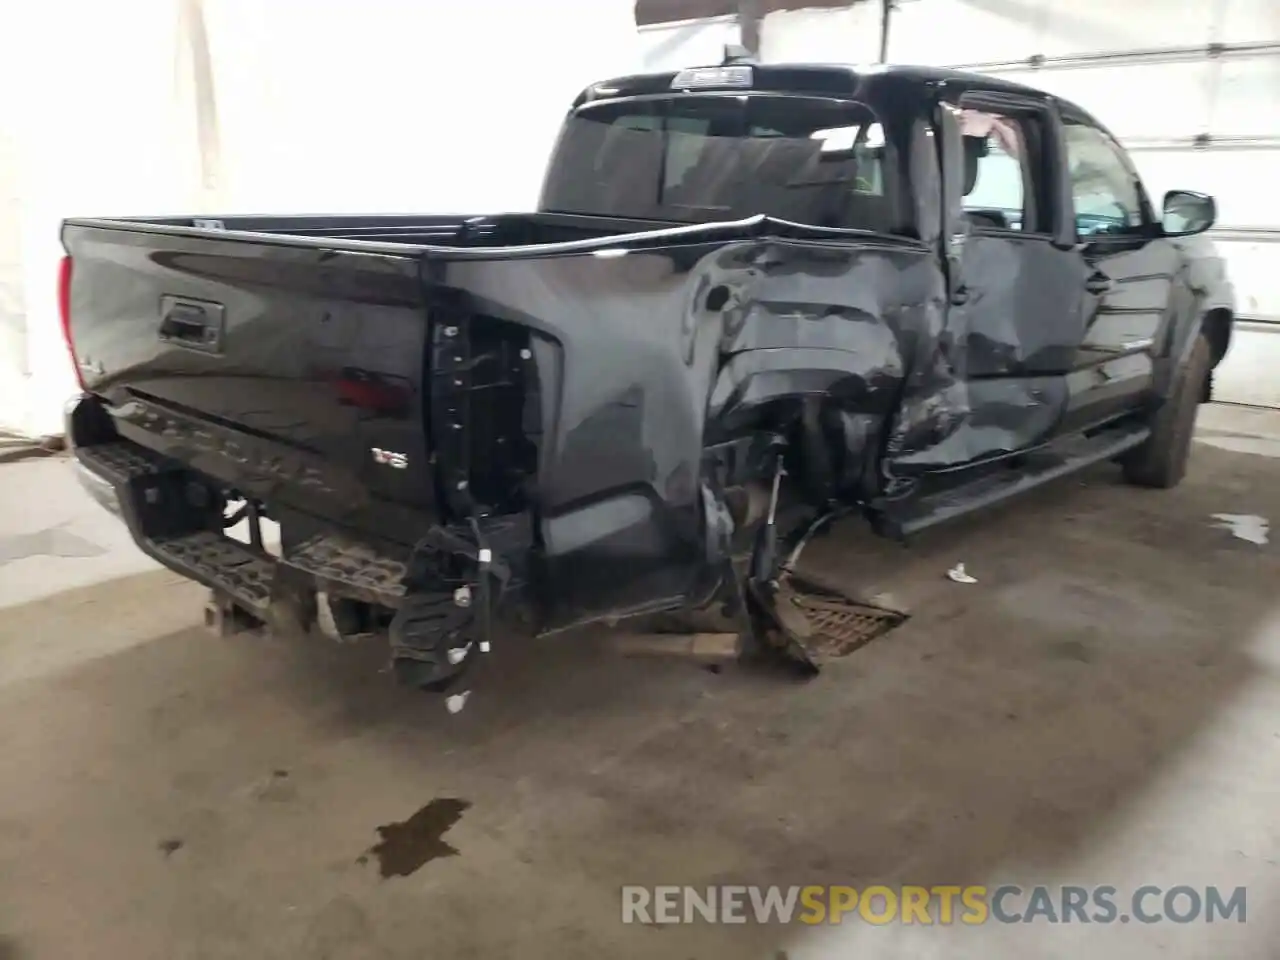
1161 462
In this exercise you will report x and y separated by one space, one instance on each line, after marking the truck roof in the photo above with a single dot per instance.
874 82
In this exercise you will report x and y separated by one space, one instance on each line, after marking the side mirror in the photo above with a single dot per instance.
1187 213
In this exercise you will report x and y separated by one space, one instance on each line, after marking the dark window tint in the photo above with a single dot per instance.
700 159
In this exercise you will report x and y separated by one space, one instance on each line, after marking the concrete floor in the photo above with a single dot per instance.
1102 706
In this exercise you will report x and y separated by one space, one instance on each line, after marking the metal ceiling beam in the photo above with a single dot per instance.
195 37
1246 234
1203 141
672 11
886 17
1153 55
750 22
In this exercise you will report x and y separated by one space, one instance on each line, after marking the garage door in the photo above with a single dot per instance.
1192 88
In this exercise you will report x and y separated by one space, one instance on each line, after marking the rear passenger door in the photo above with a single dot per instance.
1130 268
1015 319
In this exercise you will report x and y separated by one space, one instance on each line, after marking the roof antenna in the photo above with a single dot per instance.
735 53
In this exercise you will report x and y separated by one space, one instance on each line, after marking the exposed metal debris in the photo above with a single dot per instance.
824 624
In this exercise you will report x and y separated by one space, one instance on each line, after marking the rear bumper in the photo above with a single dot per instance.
99 488
84 424
174 515
153 497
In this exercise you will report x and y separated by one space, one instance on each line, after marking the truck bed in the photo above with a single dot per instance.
371 377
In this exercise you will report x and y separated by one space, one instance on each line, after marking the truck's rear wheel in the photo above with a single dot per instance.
1162 460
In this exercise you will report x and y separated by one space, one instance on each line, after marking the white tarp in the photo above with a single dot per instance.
204 106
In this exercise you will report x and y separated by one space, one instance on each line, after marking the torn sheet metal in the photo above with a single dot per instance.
820 621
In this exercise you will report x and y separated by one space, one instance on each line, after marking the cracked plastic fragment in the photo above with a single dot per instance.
1244 526
455 702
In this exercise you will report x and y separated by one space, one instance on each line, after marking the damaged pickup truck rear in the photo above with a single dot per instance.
753 298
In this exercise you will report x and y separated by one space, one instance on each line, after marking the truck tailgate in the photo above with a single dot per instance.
291 373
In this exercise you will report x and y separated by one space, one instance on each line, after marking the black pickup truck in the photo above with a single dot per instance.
753 298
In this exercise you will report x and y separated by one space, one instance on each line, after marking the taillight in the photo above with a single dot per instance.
64 314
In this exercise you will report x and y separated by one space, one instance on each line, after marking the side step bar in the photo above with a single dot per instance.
1040 467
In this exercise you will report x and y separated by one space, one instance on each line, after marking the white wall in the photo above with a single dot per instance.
394 106
849 35
673 46
317 105
96 129
13 322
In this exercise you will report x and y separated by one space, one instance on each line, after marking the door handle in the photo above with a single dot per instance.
191 324
185 322
1098 284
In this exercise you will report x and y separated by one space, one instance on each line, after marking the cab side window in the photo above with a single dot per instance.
997 169
1104 187
1001 165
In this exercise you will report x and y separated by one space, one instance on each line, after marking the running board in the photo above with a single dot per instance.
1050 463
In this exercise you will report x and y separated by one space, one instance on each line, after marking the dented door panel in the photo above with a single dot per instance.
653 355
995 381
835 321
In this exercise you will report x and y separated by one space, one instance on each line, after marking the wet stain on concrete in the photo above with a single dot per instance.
277 788
408 846
50 542
1072 650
